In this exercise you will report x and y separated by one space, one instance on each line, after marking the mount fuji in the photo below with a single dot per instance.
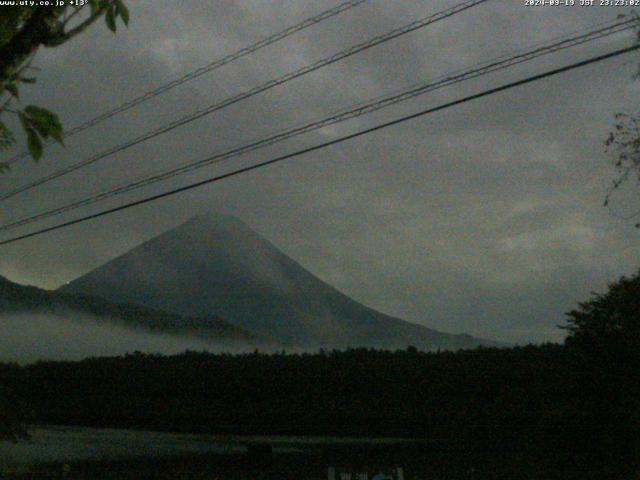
217 265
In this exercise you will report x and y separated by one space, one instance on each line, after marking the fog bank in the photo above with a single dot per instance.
27 338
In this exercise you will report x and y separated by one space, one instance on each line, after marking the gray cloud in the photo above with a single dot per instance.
486 218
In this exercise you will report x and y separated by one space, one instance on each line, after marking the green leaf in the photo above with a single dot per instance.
27 79
12 88
123 11
24 120
39 113
57 133
95 6
34 144
45 122
42 129
39 124
6 137
110 19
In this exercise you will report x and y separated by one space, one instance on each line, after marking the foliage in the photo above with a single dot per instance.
521 401
623 144
39 123
610 320
12 411
358 391
23 30
604 338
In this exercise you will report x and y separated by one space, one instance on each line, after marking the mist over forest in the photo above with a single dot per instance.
27 338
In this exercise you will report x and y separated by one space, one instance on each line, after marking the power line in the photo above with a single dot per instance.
395 33
365 108
320 146
380 103
287 32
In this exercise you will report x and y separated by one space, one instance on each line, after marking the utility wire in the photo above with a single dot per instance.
411 27
320 146
372 106
287 32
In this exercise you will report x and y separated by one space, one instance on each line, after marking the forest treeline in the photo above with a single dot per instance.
529 399
579 401
359 391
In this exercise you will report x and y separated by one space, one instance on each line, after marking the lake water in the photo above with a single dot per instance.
71 444
109 454
59 444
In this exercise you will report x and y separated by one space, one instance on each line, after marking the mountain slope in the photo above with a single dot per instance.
217 265
15 298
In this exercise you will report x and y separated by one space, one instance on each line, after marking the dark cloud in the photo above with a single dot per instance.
486 218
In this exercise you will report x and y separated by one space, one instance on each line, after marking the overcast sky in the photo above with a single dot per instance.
486 218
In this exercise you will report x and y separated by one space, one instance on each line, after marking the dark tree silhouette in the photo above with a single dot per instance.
610 320
12 410
604 335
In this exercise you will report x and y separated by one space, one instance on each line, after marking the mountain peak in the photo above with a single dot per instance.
213 218
210 228
214 264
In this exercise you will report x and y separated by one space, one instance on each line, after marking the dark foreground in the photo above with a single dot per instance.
417 461
533 412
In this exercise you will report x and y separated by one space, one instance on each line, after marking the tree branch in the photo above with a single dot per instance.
68 19
26 41
63 36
